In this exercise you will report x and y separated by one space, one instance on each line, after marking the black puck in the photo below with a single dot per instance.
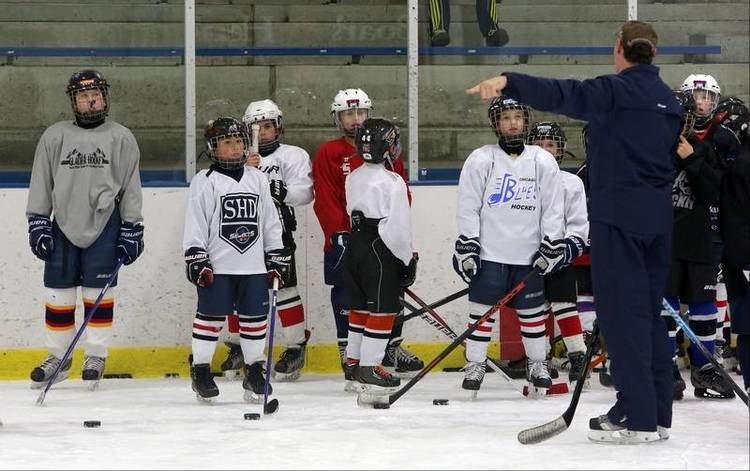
440 402
252 416
381 405
171 375
92 423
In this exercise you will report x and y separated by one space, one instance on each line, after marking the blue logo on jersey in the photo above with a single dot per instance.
239 220
510 189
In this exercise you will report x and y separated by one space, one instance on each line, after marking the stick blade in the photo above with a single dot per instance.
542 432
271 407
40 399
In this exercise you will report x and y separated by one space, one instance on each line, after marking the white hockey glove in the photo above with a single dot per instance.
466 258
550 257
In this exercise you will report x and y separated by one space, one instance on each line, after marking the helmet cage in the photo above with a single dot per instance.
226 128
88 80
549 131
495 112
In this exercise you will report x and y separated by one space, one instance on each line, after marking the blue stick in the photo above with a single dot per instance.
694 339
86 319
270 408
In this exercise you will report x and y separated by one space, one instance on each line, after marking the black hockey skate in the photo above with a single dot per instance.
232 366
254 382
473 377
203 382
41 374
350 376
678 385
93 370
289 366
537 374
709 383
401 361
374 378
576 366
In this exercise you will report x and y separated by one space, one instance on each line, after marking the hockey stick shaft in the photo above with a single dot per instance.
546 431
255 128
443 326
269 358
86 319
435 305
461 338
696 341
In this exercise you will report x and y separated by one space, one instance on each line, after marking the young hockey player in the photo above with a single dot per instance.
289 173
84 213
692 277
510 210
560 289
333 162
378 263
233 246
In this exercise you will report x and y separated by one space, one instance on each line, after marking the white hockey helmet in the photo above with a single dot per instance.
265 110
703 82
349 99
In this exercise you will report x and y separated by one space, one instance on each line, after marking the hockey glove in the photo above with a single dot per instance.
409 272
130 242
550 257
574 246
278 191
466 258
198 267
278 264
40 237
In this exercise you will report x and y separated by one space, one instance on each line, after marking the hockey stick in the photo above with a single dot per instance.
273 405
435 305
694 339
443 327
460 339
255 127
86 319
550 429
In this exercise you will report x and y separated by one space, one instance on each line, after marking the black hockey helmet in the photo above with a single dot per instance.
88 79
735 115
377 141
686 99
552 131
226 128
500 104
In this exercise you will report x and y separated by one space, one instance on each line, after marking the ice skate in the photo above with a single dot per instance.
92 371
203 382
376 384
41 374
232 366
678 385
473 377
289 366
350 376
576 366
400 361
538 377
709 383
254 383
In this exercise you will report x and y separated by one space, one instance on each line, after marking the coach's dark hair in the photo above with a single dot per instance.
638 42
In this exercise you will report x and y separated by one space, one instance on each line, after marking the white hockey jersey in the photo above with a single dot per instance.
576 214
292 165
381 194
510 203
234 221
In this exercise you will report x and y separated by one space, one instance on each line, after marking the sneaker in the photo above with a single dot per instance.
537 374
400 359
709 383
203 381
93 368
474 375
255 379
497 37
440 38
678 386
576 365
377 376
42 373
234 359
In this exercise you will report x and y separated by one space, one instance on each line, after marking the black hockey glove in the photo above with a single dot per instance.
278 264
130 242
40 237
466 258
278 191
550 257
574 247
409 272
198 267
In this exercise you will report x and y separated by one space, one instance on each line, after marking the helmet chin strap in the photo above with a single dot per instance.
511 149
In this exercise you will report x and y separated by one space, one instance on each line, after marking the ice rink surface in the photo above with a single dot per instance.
158 424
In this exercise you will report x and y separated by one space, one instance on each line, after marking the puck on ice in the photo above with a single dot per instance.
92 423
440 402
381 405
252 416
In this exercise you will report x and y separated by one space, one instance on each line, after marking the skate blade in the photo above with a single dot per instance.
369 398
92 385
252 398
287 377
203 400
233 375
353 386
537 393
471 395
